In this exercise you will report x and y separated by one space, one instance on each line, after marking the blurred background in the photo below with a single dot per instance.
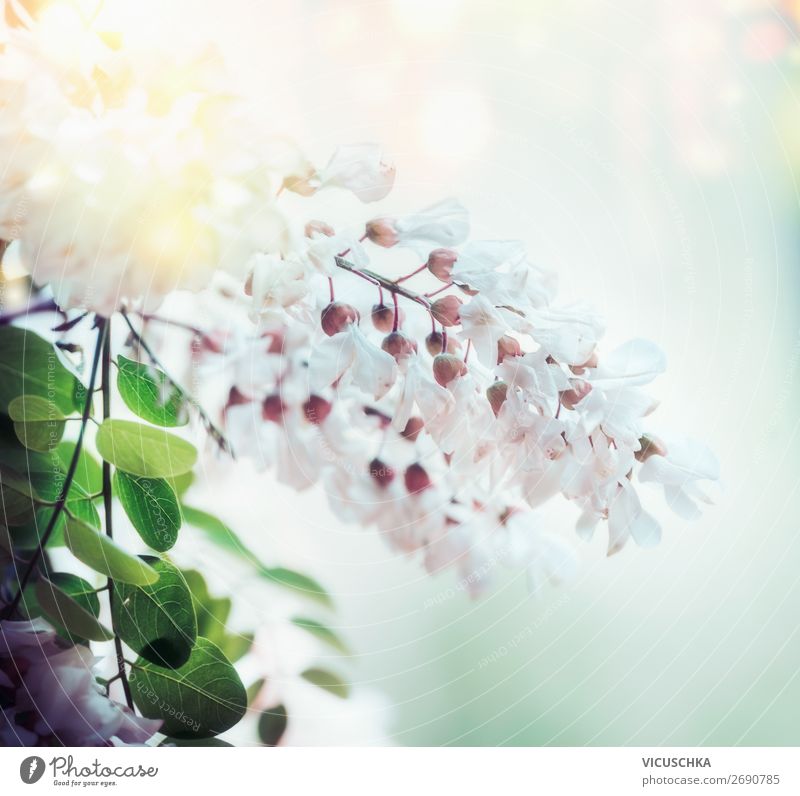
648 152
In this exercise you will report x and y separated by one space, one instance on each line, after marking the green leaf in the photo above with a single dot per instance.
104 555
182 482
157 621
254 689
144 450
202 698
151 507
30 408
184 742
40 436
236 645
328 681
272 725
321 632
148 393
64 610
212 612
89 473
29 365
223 536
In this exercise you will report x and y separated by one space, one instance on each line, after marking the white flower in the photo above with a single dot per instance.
133 183
540 380
443 224
350 353
419 389
627 518
632 364
51 696
359 168
275 282
687 461
484 325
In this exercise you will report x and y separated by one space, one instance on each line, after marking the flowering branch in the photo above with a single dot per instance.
393 287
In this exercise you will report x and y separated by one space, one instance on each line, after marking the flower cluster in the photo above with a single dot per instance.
445 418
49 694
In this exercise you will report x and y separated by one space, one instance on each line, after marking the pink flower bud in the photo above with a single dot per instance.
579 370
497 395
435 340
301 183
337 316
315 228
273 408
382 473
508 347
382 232
383 317
399 346
317 409
416 479
441 262
580 389
236 398
651 446
446 310
446 367
276 341
413 429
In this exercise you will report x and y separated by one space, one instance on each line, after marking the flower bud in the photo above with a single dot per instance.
315 228
497 395
579 370
316 409
651 446
508 347
413 429
337 316
399 346
273 408
580 389
236 398
382 473
447 367
441 262
416 479
446 310
383 317
382 232
435 340
302 182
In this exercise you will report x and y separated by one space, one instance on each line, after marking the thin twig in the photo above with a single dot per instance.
211 429
382 281
108 500
63 495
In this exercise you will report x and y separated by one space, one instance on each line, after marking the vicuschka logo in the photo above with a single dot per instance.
31 769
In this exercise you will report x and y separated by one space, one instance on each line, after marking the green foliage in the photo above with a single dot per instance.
157 621
223 536
328 681
321 632
184 742
38 422
65 611
148 393
89 474
151 507
29 365
143 450
104 555
272 725
202 698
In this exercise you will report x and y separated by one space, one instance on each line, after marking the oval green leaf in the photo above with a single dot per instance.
29 365
151 507
272 725
157 621
328 681
65 611
29 408
144 450
321 632
104 555
200 699
148 393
